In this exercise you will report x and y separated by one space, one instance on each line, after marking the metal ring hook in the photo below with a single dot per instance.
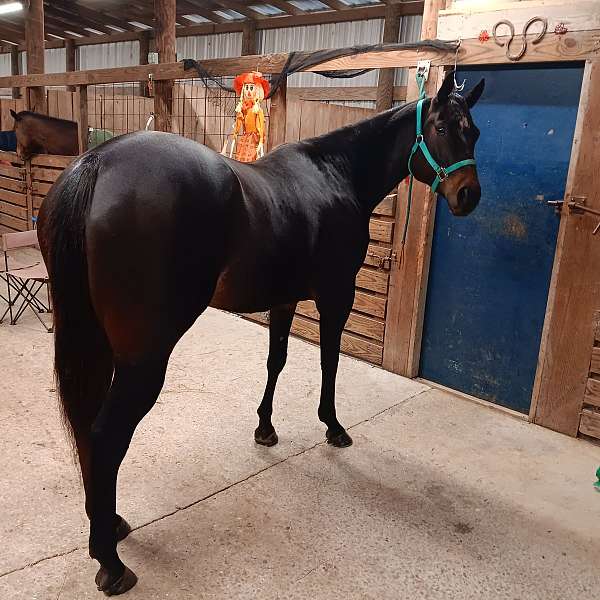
461 87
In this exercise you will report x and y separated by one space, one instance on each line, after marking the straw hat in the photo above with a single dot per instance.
252 77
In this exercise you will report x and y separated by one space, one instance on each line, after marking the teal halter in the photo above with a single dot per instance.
441 173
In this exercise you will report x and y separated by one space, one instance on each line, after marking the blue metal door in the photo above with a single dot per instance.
490 272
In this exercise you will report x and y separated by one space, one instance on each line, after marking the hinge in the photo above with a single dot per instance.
577 206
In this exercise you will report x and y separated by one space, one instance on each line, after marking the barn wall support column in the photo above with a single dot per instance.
574 295
408 277
249 37
70 61
82 117
277 117
165 12
15 69
385 84
144 42
34 41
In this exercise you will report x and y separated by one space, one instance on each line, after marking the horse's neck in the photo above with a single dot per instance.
375 153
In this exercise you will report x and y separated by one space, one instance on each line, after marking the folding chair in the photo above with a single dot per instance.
24 282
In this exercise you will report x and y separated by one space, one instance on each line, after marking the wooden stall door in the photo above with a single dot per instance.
364 332
490 272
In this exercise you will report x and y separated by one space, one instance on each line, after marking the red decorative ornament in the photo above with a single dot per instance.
560 29
484 36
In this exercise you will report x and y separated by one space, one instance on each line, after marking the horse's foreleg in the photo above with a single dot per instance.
279 330
132 394
333 317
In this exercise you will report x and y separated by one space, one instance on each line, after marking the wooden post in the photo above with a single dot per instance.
277 118
574 295
15 69
70 59
385 84
82 117
34 42
164 11
144 40
408 278
249 37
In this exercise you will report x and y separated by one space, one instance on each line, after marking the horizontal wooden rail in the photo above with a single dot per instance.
576 46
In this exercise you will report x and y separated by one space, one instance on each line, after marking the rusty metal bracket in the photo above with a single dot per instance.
577 206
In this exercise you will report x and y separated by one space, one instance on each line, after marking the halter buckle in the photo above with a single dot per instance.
442 175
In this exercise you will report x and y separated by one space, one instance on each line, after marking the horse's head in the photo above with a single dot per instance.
450 135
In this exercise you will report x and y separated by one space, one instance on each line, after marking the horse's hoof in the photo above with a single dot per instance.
113 586
269 439
339 440
123 529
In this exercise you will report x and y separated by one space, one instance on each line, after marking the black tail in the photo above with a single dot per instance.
83 360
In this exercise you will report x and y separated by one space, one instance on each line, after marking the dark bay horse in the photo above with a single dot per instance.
143 233
40 134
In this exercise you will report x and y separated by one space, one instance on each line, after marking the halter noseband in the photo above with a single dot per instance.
441 173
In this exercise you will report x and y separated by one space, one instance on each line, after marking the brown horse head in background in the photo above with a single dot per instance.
40 134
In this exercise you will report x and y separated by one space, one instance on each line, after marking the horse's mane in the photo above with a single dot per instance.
41 117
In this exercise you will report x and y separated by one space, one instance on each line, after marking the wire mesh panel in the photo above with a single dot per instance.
117 108
205 111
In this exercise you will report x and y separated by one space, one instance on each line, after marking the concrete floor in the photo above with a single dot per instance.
439 498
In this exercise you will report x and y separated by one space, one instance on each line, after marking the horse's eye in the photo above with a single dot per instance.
441 130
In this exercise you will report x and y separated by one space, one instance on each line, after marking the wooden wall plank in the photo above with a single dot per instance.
590 423
12 172
351 344
40 174
13 210
370 304
13 197
595 362
568 332
381 230
370 279
13 222
15 185
387 206
592 392
52 160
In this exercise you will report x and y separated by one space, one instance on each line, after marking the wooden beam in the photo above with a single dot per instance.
83 12
15 69
339 94
408 278
385 82
70 60
82 117
249 38
277 117
34 40
165 11
568 334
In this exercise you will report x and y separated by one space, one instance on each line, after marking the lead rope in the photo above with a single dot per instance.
421 87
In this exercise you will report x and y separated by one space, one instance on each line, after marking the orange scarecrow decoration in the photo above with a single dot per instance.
248 135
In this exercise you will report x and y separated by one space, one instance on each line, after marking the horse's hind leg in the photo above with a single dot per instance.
279 331
133 392
334 311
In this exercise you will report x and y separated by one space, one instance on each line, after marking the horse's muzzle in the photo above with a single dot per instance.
467 199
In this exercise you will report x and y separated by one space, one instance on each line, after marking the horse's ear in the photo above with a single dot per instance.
15 116
446 89
475 94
